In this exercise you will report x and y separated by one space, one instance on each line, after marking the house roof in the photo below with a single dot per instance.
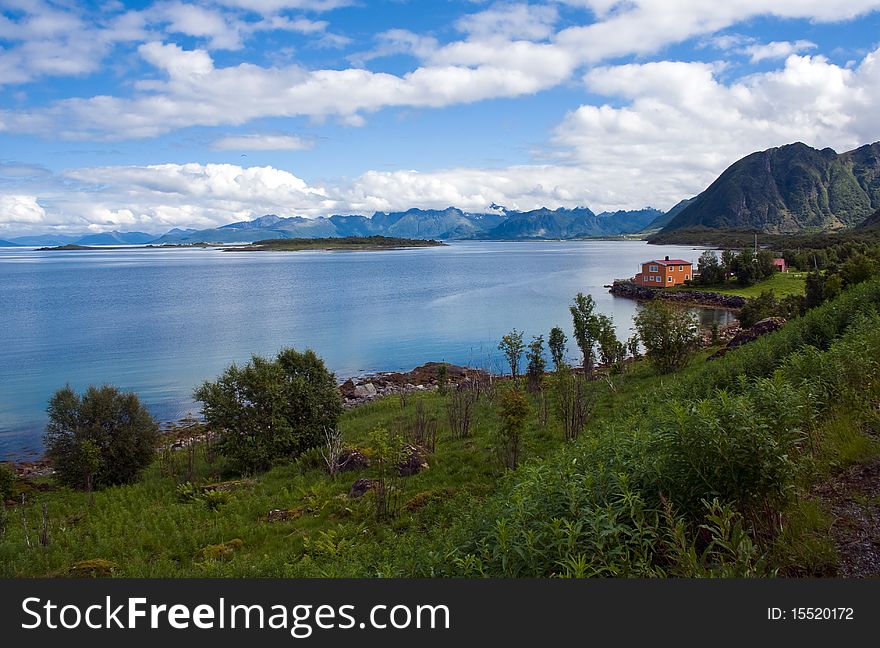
664 262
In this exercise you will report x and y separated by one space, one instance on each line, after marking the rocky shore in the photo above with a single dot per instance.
427 377
702 298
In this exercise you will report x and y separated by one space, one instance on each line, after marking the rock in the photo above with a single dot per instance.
365 391
283 515
415 461
352 459
360 488
765 326
646 293
348 389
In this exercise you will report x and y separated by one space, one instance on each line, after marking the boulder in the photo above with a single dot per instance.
765 326
415 461
365 391
360 488
352 459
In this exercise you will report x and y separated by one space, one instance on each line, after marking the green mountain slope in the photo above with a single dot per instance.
788 189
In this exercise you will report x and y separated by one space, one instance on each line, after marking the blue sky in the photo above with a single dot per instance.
152 115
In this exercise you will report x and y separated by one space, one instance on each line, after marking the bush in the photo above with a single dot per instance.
7 482
669 334
271 409
514 410
103 438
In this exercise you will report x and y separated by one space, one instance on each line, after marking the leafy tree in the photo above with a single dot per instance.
858 268
669 334
611 350
556 343
587 327
271 409
103 438
513 347
514 411
537 364
761 307
814 292
710 269
727 260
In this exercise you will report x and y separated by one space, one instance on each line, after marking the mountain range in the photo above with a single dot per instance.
781 190
789 189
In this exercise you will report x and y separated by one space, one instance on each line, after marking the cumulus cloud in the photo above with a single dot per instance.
18 210
777 49
195 92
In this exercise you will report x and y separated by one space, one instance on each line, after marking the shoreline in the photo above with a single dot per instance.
719 301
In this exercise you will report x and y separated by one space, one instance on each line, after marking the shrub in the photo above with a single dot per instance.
669 334
556 342
270 410
514 410
104 437
512 346
7 482
460 410
537 364
573 402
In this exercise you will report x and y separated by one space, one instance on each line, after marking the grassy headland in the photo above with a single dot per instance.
782 284
345 243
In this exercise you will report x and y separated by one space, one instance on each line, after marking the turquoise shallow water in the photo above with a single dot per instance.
160 321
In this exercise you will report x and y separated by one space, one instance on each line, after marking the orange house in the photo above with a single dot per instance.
665 273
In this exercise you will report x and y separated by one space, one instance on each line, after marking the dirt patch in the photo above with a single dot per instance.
853 499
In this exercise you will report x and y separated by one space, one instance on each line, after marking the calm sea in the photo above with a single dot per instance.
159 322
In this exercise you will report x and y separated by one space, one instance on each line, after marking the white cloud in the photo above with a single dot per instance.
196 92
510 20
17 210
262 142
777 49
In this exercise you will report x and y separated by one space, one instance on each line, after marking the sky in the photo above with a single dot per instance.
144 116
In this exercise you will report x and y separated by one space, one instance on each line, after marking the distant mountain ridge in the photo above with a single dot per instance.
443 224
789 189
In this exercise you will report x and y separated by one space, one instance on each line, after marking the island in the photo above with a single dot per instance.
337 243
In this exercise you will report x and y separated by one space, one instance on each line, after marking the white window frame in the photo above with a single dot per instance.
653 268
670 279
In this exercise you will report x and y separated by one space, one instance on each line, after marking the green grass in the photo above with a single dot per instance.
566 510
782 284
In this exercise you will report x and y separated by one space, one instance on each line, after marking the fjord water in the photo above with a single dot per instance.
160 321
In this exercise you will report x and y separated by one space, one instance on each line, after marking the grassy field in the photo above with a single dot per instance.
781 284
149 529
756 429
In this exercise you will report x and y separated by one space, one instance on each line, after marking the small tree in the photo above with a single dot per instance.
710 269
556 342
103 438
512 346
727 262
537 364
611 350
632 345
514 410
271 409
586 328
573 402
460 410
387 453
669 334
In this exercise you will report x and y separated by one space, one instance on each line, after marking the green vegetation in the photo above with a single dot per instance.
341 243
271 410
707 471
670 335
102 438
512 346
781 284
